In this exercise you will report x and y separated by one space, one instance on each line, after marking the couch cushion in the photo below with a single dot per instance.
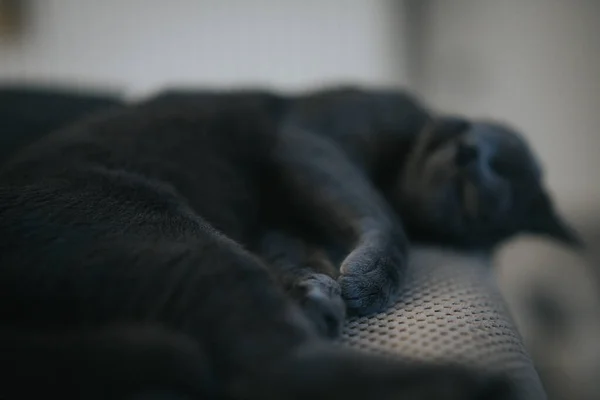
450 310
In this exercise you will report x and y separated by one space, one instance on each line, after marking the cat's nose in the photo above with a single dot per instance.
466 154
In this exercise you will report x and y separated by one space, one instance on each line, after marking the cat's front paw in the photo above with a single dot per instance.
321 300
370 278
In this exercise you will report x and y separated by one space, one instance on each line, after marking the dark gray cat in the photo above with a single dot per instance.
152 246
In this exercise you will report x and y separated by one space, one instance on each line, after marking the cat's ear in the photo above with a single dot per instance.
543 219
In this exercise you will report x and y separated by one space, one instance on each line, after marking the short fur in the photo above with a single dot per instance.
151 246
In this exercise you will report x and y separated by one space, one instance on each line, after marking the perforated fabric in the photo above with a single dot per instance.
449 310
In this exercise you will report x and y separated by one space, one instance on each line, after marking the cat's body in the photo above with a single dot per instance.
139 232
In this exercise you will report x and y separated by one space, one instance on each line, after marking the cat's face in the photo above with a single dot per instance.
474 184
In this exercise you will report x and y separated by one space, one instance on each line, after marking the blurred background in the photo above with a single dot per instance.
532 63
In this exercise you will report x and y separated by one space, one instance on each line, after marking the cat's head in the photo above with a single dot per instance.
474 185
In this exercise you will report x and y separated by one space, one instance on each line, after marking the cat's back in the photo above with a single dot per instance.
342 109
180 128
212 154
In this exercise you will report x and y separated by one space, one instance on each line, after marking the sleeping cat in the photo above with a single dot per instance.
133 243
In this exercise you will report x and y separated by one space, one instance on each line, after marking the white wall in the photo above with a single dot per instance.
535 63
144 44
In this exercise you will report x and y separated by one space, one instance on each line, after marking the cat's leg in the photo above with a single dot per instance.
308 276
337 198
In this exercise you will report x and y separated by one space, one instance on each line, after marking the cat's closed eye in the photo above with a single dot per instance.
465 154
504 167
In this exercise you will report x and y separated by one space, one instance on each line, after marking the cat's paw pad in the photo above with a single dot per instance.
322 302
370 280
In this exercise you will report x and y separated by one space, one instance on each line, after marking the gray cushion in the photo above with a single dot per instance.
450 310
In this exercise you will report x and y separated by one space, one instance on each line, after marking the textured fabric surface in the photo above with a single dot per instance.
450 310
